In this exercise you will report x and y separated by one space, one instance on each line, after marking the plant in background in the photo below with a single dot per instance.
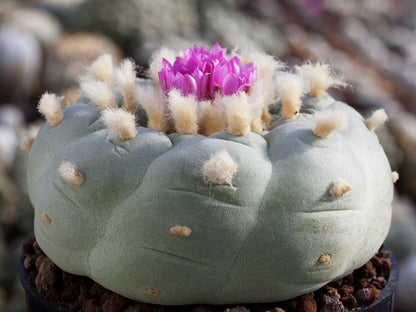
226 179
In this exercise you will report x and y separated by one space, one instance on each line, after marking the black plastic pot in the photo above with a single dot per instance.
36 302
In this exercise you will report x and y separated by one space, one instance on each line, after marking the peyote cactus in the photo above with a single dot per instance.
223 197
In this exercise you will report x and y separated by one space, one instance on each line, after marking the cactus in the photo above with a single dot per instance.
184 195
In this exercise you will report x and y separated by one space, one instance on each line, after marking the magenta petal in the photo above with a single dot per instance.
189 85
216 78
217 50
162 80
177 82
205 73
230 84
178 65
203 88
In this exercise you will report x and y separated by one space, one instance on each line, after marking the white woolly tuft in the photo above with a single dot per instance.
290 89
328 121
181 230
394 176
155 64
340 187
320 77
266 64
261 96
211 116
154 105
238 113
120 123
99 93
26 142
220 168
378 118
70 173
125 78
102 68
184 112
50 107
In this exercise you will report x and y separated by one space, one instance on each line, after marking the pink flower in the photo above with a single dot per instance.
205 73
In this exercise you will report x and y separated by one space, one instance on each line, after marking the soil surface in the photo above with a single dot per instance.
360 288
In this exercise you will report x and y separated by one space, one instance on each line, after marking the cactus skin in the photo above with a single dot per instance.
261 239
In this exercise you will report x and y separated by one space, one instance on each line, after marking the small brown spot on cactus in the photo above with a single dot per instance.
183 109
153 291
378 118
99 92
102 68
46 219
340 187
328 121
220 168
290 89
120 123
237 111
50 107
325 258
394 176
70 173
181 230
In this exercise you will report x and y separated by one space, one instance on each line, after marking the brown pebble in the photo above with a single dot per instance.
201 308
37 249
382 265
379 282
348 280
27 248
46 279
346 290
367 295
39 260
92 305
349 301
333 294
363 283
97 290
114 302
29 262
367 271
331 304
306 303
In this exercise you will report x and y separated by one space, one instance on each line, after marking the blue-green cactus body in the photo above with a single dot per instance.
259 239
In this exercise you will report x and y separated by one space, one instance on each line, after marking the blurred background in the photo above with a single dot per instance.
45 44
